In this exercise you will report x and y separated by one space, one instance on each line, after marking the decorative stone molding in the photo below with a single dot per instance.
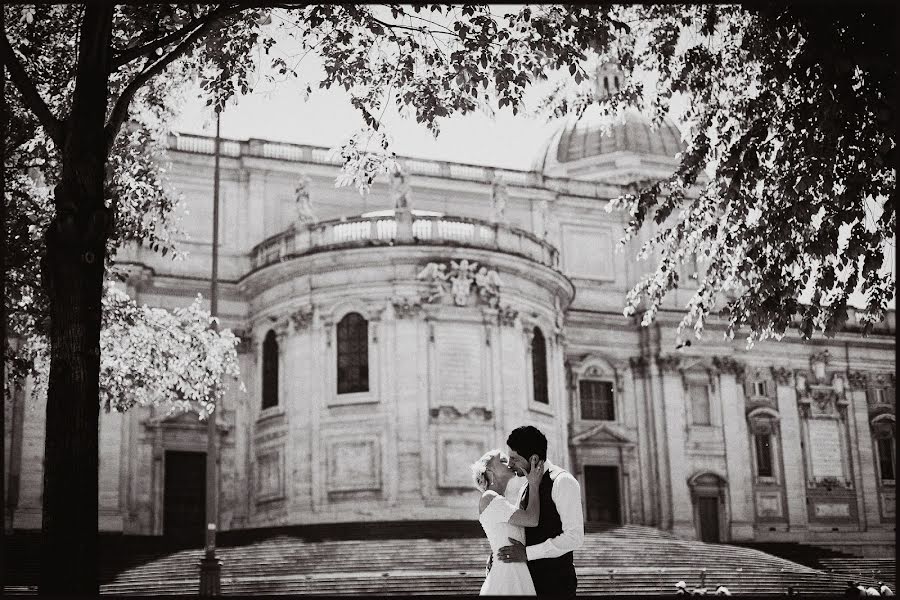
507 315
726 364
881 380
822 401
458 283
406 308
302 318
858 380
782 375
668 363
451 414
638 365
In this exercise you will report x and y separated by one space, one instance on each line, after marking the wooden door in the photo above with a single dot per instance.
184 504
708 512
602 494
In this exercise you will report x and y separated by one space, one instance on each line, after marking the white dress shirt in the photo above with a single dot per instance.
566 494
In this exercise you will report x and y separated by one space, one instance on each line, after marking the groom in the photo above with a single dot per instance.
560 529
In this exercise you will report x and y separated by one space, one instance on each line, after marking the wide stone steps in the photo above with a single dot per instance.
869 570
614 560
631 559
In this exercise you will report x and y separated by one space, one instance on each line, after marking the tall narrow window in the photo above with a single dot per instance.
597 400
352 354
539 367
699 394
886 458
270 371
763 443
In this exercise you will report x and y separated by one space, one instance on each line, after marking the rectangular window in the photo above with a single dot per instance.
886 458
597 402
760 388
763 443
879 395
699 394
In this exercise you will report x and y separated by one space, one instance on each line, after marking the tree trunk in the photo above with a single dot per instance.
72 272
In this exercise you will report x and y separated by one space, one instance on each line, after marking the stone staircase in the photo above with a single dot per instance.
866 570
614 560
842 564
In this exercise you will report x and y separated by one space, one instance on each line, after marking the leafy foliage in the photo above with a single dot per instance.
138 194
785 192
152 356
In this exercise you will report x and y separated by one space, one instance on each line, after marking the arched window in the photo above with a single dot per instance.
352 354
270 371
539 367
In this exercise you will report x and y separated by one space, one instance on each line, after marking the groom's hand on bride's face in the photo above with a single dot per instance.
514 553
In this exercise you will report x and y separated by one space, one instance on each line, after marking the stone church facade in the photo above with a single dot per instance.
388 340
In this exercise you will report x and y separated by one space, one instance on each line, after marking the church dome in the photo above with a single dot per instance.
597 146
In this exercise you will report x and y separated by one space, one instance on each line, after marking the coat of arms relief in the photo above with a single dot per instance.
462 282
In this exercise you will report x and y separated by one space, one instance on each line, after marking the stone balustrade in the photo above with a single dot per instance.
404 228
200 144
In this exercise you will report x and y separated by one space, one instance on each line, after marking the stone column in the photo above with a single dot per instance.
866 479
737 449
672 399
791 450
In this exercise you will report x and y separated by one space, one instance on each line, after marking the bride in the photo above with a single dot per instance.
502 519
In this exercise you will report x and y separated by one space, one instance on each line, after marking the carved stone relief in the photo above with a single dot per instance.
668 363
726 364
507 316
782 376
459 282
406 307
450 414
858 380
302 318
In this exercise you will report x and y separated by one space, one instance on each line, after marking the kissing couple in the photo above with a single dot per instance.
530 510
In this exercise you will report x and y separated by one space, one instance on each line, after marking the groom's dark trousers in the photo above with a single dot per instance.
551 576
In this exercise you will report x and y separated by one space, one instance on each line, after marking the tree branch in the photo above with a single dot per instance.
52 125
130 54
120 110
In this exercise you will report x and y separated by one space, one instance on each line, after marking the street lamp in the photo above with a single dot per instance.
210 566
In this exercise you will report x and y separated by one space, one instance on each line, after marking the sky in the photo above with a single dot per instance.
279 113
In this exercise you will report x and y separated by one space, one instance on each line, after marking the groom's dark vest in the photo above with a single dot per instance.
551 576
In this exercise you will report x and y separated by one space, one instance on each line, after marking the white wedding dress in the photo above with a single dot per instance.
505 578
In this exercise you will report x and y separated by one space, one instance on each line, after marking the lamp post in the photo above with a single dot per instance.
210 566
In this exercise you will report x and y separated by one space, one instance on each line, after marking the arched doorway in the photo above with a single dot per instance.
708 492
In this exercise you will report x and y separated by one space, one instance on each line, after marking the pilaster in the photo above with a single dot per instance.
867 478
672 399
737 449
792 450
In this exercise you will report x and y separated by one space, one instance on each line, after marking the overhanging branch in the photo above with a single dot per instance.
30 94
128 55
120 110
